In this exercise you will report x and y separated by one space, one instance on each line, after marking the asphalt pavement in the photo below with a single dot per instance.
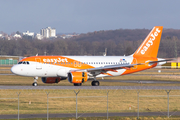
73 115
94 87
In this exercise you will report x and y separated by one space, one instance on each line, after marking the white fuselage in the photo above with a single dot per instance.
54 68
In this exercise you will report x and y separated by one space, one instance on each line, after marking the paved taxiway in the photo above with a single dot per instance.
7 74
94 87
143 81
87 115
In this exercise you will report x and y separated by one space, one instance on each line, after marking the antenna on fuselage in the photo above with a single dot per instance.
105 53
45 52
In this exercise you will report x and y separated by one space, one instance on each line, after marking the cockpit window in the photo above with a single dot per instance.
19 62
24 62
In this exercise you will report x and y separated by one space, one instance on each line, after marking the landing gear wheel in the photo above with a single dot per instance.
35 84
77 84
35 81
95 83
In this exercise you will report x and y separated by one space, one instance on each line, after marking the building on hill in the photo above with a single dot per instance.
17 36
28 35
39 36
48 32
69 36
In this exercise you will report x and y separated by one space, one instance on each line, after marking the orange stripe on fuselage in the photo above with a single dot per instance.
58 61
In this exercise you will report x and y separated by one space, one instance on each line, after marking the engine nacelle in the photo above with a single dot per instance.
52 79
77 77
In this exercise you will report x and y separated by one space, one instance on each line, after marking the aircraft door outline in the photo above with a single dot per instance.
38 63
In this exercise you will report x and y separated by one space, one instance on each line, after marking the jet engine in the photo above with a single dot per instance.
77 77
52 79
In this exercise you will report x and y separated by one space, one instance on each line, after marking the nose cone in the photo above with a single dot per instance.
15 70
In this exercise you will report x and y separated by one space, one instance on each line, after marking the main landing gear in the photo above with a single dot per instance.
35 81
77 84
95 82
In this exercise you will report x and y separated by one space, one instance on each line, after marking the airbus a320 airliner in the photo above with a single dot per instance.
79 69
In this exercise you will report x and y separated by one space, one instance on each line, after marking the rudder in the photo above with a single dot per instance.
150 46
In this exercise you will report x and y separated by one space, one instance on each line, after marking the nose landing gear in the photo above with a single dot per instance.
34 84
35 81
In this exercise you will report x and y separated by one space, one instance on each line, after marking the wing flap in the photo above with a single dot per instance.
112 67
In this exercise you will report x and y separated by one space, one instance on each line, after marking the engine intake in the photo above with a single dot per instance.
77 77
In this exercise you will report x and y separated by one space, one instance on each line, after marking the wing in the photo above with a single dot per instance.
162 60
111 67
104 69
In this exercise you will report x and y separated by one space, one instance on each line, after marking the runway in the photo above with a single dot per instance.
143 81
7 74
87 115
93 87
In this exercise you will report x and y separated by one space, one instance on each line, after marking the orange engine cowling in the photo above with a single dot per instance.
51 79
77 77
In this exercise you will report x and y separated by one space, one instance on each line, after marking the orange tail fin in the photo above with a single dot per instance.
150 46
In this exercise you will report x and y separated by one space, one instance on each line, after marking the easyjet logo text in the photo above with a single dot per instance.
150 41
55 60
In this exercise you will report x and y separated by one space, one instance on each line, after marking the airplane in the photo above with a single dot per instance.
79 69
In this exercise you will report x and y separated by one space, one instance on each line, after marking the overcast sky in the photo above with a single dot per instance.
82 16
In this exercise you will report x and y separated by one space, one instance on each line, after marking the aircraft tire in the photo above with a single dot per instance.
77 84
95 83
35 84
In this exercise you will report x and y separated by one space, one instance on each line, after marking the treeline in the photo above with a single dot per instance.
117 42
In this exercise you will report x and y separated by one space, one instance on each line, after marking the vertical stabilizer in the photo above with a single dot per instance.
150 46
